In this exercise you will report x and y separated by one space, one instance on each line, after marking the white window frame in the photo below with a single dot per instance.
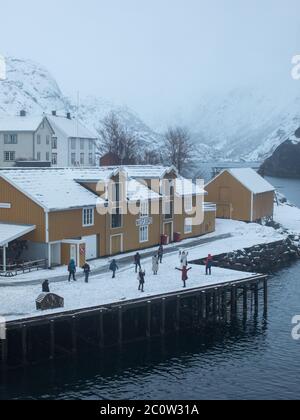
144 209
10 138
188 203
39 139
47 140
54 159
82 158
73 159
88 216
188 226
9 156
144 234
54 143
73 144
91 159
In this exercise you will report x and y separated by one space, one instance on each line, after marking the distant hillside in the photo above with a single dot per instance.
285 161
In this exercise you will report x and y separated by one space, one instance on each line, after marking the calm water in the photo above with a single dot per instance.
256 361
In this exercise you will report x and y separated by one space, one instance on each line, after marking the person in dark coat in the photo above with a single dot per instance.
209 264
113 267
137 262
141 278
45 287
72 270
160 253
184 270
87 270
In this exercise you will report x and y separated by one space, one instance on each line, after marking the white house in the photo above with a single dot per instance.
24 138
73 144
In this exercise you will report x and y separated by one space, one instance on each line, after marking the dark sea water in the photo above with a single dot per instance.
258 360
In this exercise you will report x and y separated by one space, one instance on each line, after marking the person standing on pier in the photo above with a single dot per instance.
209 264
113 267
160 254
141 279
183 258
184 270
137 261
87 270
155 264
72 270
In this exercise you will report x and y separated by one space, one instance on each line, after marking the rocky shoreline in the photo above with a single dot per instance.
263 258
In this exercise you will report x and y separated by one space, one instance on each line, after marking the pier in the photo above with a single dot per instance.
65 334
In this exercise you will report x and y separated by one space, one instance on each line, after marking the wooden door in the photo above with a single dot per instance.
116 244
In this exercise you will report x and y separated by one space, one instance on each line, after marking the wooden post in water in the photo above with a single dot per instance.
265 296
163 317
203 305
215 304
4 354
245 302
52 339
120 323
24 343
224 304
178 306
233 301
149 313
101 329
256 303
74 335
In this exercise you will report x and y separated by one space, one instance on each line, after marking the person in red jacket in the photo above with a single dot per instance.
209 264
184 270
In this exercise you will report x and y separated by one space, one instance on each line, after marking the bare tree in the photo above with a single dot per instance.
117 139
178 147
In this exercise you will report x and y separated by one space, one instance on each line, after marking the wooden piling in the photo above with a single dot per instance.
256 302
203 305
120 324
224 304
101 329
215 304
265 296
149 318
74 335
52 339
245 302
163 317
24 343
233 301
178 306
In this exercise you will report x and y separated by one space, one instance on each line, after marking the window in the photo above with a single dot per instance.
81 158
38 156
73 159
73 144
9 156
91 159
88 217
47 156
54 158
168 209
81 144
10 139
188 203
91 144
188 226
144 209
54 143
116 219
144 234
38 139
47 140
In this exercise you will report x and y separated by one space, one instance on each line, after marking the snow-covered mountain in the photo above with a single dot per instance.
29 86
247 123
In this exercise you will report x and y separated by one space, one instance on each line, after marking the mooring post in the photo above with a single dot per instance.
256 303
149 315
163 316
178 306
233 301
74 335
245 302
101 329
120 322
265 296
24 344
215 304
52 339
203 305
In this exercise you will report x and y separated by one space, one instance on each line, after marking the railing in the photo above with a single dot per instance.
22 268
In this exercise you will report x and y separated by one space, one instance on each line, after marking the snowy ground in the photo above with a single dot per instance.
288 216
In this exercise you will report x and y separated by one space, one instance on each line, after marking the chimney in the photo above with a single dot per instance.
22 113
69 115
54 113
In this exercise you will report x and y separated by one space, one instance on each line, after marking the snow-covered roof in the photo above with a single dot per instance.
187 187
9 232
18 123
51 189
71 127
137 191
251 180
147 171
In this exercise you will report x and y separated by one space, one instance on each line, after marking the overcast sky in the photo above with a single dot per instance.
154 55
